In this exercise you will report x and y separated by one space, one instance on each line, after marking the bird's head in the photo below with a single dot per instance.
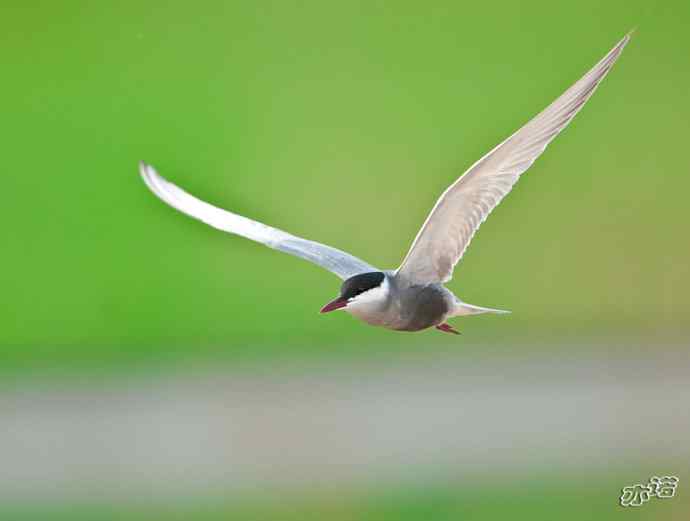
361 289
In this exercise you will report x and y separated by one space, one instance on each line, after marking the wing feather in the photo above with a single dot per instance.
463 207
336 261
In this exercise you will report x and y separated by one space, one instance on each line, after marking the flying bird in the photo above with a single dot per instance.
413 297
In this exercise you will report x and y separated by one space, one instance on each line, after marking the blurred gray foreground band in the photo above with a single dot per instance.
247 428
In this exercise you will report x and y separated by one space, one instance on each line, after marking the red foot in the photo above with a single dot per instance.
447 328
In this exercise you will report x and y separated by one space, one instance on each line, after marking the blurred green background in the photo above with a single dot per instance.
318 118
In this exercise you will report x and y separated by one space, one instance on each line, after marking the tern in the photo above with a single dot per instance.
414 297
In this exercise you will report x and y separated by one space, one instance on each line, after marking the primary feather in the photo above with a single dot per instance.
463 207
336 261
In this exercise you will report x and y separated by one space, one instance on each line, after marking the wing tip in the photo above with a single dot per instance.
151 178
145 170
607 61
624 41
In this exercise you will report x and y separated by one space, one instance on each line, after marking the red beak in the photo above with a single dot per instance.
338 303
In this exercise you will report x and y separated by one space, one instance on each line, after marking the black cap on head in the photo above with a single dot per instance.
361 283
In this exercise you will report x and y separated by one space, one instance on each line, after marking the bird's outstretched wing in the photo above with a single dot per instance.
342 264
464 206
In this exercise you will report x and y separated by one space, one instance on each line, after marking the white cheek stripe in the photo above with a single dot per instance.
371 296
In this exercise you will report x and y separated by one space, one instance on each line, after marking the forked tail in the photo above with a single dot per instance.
463 309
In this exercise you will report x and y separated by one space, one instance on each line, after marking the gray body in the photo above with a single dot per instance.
406 307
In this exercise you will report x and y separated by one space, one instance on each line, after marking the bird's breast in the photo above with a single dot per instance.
409 309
